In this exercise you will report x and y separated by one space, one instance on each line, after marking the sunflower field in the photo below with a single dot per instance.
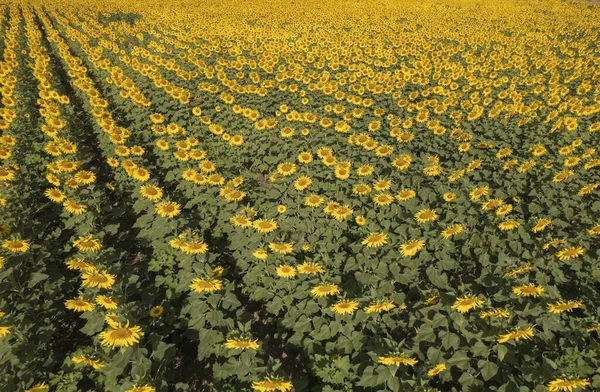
318 195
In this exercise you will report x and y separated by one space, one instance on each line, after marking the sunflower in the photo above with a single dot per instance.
151 192
397 360
241 221
285 271
73 207
432 171
325 289
562 175
84 177
283 248
156 311
567 384
380 306
260 254
587 189
106 302
411 247
121 336
313 201
365 170
494 313
272 384
516 334
55 195
209 285
87 244
342 213
569 253
344 307
101 280
168 209
467 303
305 157
38 387
491 204
302 182
360 220
405 194
310 268
242 344
383 199
553 243
286 169
478 193
4 331
508 224
541 224
564 306
79 265
195 247
528 290
437 369
452 230
264 226
449 196
79 305
375 240
595 230
402 162
425 215
16 246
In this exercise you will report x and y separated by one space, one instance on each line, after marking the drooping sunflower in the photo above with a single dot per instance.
282 248
405 194
564 306
285 271
102 280
272 384
209 285
528 290
375 240
79 305
494 313
516 335
242 344
73 207
411 247
567 384
106 302
437 369
121 336
380 306
87 244
397 360
452 230
569 253
310 268
16 246
344 307
467 303
325 289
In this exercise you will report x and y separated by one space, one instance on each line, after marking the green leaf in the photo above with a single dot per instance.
488 369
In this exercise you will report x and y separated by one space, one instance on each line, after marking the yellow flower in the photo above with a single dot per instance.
286 271
449 196
564 306
467 303
106 302
411 248
156 311
528 290
325 289
516 335
79 305
260 254
375 240
168 209
541 224
380 306
425 215
16 246
565 384
264 226
209 285
87 244
272 384
302 182
141 388
310 268
344 307
242 344
397 360
437 369
283 248
102 279
569 253
494 313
